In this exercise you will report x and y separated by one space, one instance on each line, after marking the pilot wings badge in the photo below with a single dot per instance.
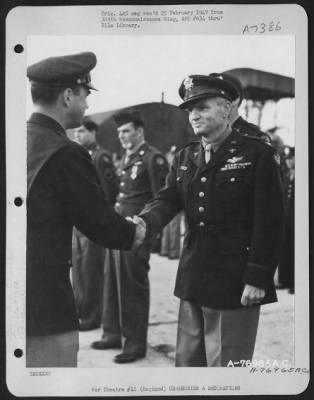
234 160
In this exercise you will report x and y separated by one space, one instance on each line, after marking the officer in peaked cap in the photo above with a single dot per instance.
143 171
244 127
225 184
63 191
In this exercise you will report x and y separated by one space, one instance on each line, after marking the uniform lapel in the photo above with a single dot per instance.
197 155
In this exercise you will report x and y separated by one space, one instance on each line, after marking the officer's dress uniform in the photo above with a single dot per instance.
233 209
88 257
63 190
126 289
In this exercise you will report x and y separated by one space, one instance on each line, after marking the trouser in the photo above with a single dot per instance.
126 299
52 351
88 279
215 338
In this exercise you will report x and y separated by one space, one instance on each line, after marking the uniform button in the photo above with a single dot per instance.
179 179
123 173
203 179
122 184
232 179
121 194
201 209
202 223
69 262
117 204
201 194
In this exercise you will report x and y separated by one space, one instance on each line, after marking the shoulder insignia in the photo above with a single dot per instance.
261 139
106 158
160 160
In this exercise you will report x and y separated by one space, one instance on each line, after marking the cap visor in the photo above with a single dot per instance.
90 86
196 99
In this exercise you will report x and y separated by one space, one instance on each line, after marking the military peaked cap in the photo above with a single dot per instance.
69 70
126 117
198 87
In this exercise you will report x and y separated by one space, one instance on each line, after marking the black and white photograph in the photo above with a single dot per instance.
160 199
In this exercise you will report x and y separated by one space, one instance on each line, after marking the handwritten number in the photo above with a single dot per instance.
263 30
278 27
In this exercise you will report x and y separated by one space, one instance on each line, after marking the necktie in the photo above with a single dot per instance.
208 148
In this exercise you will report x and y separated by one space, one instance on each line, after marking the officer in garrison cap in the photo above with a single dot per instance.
228 185
126 292
237 122
63 191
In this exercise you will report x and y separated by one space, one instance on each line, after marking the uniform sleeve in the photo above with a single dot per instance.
157 170
165 205
267 231
78 189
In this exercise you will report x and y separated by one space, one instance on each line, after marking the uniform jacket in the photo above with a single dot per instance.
234 216
141 178
63 191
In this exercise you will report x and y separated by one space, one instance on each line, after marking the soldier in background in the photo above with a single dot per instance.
286 265
126 292
236 121
88 257
171 234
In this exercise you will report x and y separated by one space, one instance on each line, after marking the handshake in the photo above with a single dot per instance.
140 232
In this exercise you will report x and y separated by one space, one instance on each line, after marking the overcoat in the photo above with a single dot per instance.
234 215
63 191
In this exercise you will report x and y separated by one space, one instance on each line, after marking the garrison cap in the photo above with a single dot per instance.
198 87
126 117
231 79
69 70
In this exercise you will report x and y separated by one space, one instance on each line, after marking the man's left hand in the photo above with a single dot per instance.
252 295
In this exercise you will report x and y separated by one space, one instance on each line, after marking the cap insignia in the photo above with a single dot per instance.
188 83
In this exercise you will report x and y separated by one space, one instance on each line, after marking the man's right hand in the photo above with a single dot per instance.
140 231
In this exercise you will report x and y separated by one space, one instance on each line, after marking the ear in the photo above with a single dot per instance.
67 96
140 131
227 109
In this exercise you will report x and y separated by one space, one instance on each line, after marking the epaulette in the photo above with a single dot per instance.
259 139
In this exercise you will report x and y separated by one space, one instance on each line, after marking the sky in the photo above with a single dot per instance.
137 69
